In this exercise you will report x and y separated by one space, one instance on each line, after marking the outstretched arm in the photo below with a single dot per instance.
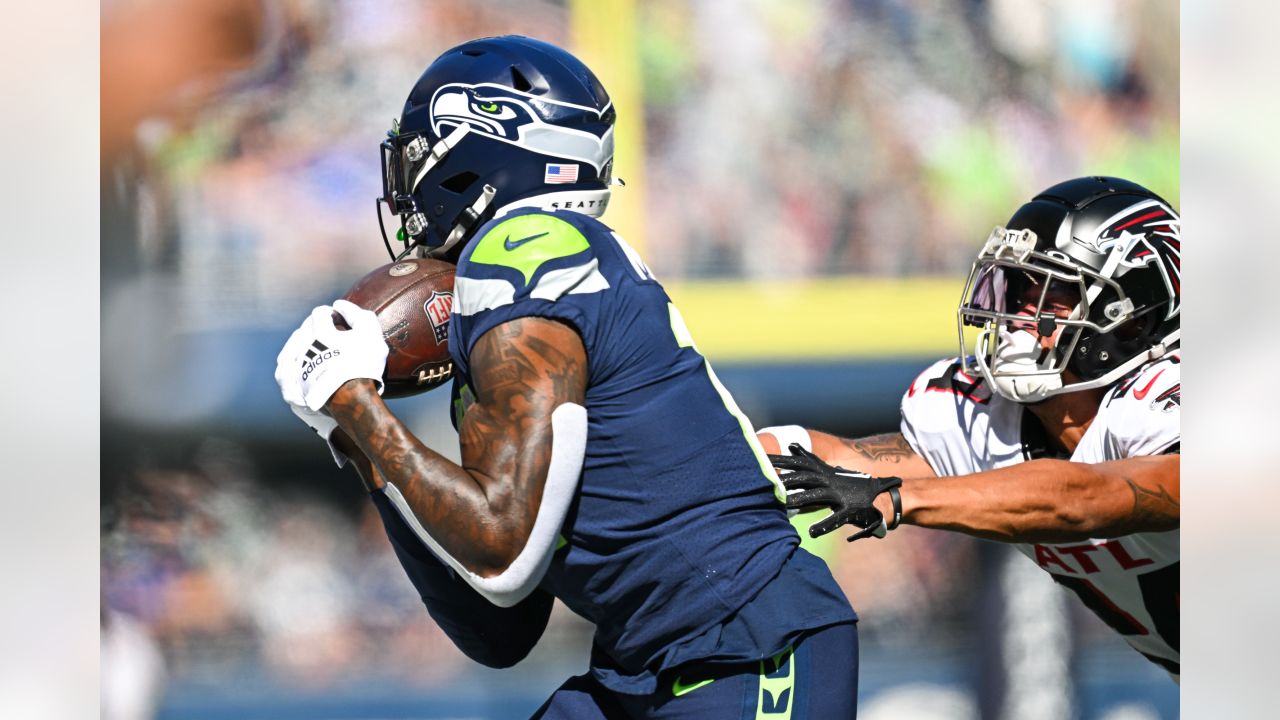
482 512
1049 500
879 455
1035 501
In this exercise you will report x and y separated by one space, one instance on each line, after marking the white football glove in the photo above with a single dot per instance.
319 358
291 388
289 380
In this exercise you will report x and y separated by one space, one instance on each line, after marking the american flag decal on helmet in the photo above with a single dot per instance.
559 174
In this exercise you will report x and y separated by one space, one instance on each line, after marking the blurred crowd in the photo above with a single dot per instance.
239 578
814 137
234 577
887 137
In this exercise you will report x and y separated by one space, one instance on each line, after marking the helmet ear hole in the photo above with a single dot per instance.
519 81
459 183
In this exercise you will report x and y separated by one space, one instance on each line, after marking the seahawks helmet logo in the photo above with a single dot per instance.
524 120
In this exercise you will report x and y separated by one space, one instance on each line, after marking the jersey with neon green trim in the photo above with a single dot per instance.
677 546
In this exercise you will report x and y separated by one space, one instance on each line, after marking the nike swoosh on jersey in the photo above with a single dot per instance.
1140 394
509 245
678 689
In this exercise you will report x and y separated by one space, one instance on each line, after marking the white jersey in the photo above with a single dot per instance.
960 427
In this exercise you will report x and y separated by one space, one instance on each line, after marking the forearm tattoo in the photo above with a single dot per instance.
890 447
521 371
1153 510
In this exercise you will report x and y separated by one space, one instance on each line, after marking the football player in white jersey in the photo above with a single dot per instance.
1059 431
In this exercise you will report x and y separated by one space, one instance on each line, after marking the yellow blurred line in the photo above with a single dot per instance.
825 319
604 37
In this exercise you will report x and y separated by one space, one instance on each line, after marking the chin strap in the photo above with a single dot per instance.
470 217
1015 371
1032 387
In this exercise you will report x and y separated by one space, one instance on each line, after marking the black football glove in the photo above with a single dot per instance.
812 484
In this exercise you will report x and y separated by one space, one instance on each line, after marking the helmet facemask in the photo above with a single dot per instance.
1039 314
407 160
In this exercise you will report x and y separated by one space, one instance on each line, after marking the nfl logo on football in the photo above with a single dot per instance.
438 307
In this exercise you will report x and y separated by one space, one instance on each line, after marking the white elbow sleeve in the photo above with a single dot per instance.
787 434
568 448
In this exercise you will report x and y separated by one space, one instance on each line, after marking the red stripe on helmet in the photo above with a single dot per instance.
1135 221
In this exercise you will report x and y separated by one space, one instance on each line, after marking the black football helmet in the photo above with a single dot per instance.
1112 249
495 123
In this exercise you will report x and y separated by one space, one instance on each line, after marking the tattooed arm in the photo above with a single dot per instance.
1036 501
369 474
878 455
494 636
1049 500
483 511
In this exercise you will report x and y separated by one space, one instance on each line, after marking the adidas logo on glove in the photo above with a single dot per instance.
316 354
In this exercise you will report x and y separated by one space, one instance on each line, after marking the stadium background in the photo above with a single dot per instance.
809 179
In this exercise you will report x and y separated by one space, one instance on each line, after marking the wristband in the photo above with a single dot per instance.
896 498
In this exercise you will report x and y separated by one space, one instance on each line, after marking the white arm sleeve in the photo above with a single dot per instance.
568 448
787 434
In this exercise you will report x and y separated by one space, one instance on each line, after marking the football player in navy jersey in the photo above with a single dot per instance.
1061 431
602 461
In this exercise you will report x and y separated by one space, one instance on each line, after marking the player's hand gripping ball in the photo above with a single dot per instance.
413 300
318 357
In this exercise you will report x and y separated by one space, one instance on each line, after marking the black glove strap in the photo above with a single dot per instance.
896 498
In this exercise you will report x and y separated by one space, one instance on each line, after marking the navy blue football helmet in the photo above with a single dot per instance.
495 123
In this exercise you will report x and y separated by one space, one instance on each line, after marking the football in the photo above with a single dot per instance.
413 299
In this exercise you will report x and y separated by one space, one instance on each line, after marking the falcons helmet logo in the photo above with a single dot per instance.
1146 233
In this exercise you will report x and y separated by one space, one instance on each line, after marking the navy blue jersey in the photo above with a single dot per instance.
677 546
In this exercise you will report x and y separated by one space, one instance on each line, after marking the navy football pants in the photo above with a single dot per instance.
816 681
